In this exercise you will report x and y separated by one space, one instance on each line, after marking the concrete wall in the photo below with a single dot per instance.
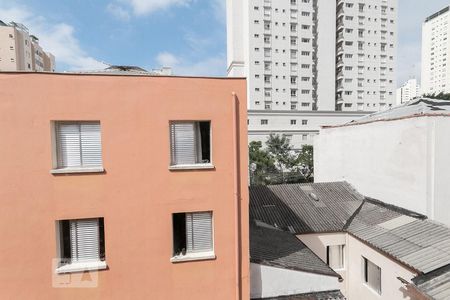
268 281
391 287
136 194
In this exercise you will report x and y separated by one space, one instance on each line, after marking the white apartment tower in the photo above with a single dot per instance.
20 51
436 52
408 91
303 55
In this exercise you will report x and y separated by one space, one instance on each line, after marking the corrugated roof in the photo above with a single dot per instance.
292 207
273 247
435 284
327 295
416 242
413 108
408 237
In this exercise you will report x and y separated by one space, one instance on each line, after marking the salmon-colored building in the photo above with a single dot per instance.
123 187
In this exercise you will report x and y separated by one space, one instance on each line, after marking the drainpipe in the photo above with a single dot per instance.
237 195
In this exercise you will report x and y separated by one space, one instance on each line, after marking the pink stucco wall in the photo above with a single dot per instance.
136 195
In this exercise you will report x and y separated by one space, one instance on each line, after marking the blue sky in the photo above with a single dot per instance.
189 35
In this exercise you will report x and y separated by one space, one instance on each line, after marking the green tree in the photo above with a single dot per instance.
440 96
281 151
261 164
305 162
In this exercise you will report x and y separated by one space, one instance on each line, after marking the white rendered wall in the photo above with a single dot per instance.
403 162
318 244
268 281
391 287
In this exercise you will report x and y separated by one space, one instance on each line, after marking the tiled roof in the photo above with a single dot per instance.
436 284
327 295
273 247
305 208
416 107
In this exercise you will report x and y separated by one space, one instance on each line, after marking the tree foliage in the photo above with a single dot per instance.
278 163
440 96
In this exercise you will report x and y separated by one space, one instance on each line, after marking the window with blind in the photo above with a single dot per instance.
335 256
81 241
372 275
192 233
78 145
190 143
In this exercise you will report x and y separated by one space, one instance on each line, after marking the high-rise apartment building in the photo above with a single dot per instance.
20 51
307 55
436 52
408 91
303 56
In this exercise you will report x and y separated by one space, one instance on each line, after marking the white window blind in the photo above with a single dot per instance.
186 146
372 275
78 144
336 256
85 240
199 232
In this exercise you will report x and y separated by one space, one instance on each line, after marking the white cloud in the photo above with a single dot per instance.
118 12
143 7
166 59
209 66
57 38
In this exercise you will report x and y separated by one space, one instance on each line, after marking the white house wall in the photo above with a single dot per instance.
318 244
391 287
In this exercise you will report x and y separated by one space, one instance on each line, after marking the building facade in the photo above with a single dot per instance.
300 127
408 91
283 47
435 53
117 176
20 51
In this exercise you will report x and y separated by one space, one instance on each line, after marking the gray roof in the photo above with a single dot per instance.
435 284
417 107
326 295
273 247
408 237
292 207
419 243
120 70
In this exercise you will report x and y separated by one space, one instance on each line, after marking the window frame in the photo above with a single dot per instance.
196 166
365 276
78 266
56 169
343 256
194 256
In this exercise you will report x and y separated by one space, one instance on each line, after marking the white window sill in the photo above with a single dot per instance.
193 257
78 170
81 266
192 167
